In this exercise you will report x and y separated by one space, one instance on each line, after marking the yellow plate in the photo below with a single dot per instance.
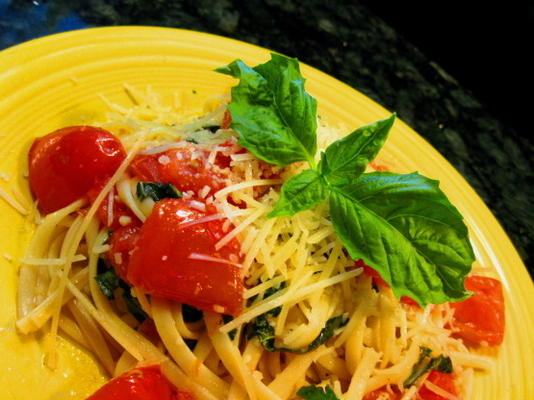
53 82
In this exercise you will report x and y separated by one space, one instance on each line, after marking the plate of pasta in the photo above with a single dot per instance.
186 216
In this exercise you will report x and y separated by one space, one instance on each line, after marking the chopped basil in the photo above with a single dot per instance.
317 393
157 191
109 283
427 363
264 331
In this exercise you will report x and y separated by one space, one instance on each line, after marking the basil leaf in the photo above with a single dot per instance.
317 393
345 159
271 112
300 193
427 363
262 328
109 282
404 227
157 191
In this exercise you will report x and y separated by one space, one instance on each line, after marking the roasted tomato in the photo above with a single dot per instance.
119 209
443 381
382 394
480 318
175 258
122 242
145 383
377 280
64 165
186 168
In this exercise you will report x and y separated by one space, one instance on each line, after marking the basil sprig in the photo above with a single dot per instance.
401 225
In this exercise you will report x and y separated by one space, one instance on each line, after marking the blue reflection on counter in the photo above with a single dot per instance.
24 20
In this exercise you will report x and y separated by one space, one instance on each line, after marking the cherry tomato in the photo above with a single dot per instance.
64 165
441 379
480 318
119 210
381 394
186 168
164 262
377 280
122 242
145 383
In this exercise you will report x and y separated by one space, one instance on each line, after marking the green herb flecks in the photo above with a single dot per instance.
157 191
316 393
427 363
109 283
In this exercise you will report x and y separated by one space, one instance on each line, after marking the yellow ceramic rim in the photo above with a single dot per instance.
55 81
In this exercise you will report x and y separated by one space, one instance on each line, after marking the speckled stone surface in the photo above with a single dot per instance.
346 40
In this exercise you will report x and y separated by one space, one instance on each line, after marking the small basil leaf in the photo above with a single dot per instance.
262 328
300 193
271 112
108 282
157 191
404 227
316 393
345 159
427 363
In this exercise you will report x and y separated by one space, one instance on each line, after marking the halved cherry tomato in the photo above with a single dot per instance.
64 165
480 318
186 168
377 280
382 394
119 210
165 261
122 242
440 379
145 383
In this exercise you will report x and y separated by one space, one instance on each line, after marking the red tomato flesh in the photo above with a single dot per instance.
122 242
480 319
185 168
440 379
146 383
64 165
161 263
119 209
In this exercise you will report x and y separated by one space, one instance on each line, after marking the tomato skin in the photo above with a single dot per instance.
441 379
160 263
119 210
480 319
122 243
145 383
64 165
179 167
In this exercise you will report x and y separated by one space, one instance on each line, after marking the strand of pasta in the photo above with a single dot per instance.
233 361
139 347
92 335
37 248
357 387
179 351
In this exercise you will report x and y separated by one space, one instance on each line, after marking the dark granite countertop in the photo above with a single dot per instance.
348 41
